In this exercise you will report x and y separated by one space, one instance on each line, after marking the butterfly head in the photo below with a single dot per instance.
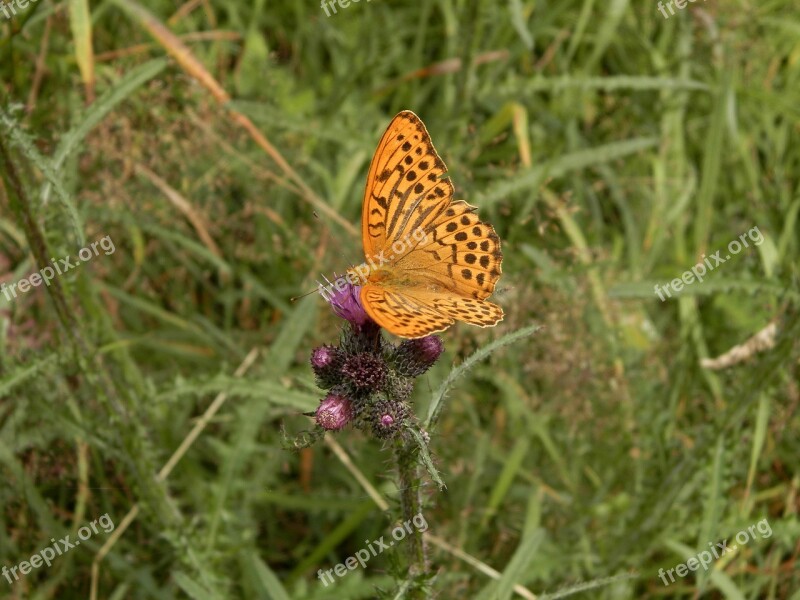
358 275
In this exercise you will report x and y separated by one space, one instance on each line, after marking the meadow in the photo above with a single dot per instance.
175 177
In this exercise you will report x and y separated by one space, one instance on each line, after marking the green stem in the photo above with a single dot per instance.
409 483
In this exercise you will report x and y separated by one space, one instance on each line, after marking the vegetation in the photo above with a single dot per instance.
222 147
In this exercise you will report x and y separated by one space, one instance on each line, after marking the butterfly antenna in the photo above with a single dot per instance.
296 298
317 289
329 285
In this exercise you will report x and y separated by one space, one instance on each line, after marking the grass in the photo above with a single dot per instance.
611 149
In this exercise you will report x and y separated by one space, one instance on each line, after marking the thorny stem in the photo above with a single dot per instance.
411 504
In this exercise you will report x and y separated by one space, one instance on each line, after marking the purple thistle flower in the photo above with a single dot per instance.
334 412
371 379
414 357
347 304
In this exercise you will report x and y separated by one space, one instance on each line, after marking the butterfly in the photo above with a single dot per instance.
429 260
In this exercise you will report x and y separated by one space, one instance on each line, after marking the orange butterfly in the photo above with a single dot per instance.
431 261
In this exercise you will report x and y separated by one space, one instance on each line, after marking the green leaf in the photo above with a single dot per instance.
438 398
426 457
15 378
25 143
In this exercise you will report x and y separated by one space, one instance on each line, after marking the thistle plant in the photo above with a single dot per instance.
369 381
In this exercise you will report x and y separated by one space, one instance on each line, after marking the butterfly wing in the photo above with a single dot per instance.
404 189
458 252
442 276
420 311
402 312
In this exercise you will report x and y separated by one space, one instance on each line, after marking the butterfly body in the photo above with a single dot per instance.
389 278
429 260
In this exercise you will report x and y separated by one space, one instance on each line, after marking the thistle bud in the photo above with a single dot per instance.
387 418
326 362
334 412
413 357
398 386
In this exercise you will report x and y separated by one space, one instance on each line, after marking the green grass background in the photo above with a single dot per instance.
610 148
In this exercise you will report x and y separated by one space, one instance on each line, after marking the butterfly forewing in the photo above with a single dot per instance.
404 189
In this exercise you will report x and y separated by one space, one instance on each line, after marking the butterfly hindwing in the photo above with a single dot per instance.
402 313
417 312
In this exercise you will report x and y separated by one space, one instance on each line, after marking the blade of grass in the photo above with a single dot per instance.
503 484
759 435
122 90
525 552
715 501
264 583
712 163
573 161
80 21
